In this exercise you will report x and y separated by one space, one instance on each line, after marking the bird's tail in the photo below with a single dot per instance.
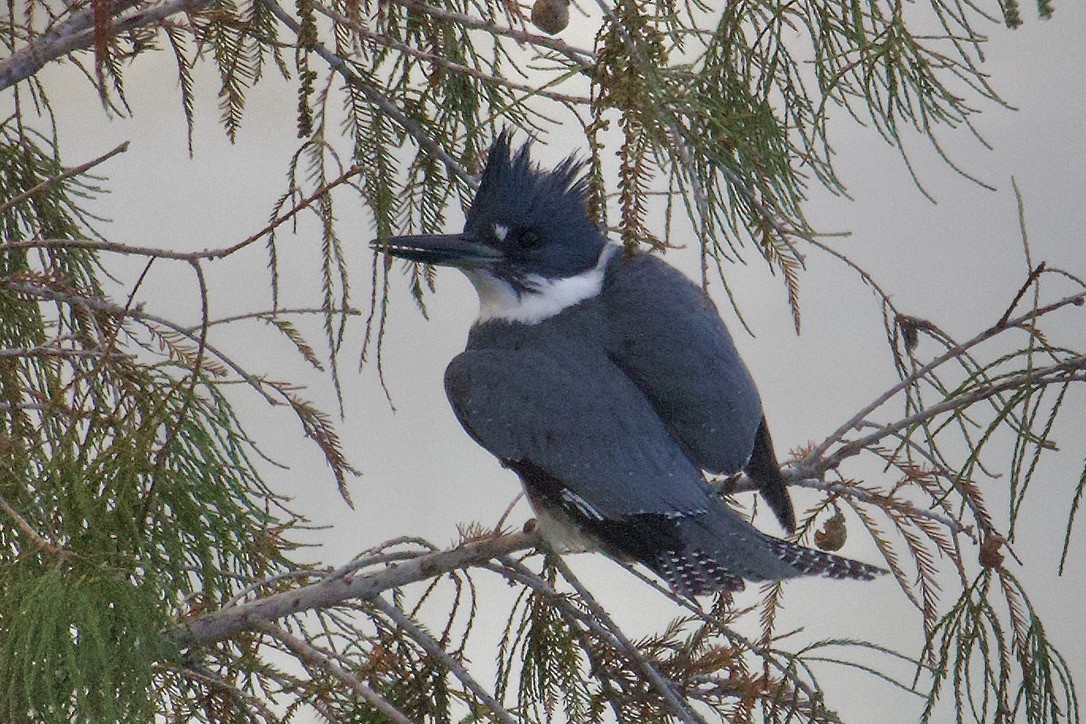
765 472
719 560
811 562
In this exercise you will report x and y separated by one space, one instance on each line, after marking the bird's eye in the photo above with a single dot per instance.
530 239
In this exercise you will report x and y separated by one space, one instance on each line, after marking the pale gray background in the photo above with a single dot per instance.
956 263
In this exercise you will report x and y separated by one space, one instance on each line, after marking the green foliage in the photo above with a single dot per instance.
77 642
544 646
975 647
128 493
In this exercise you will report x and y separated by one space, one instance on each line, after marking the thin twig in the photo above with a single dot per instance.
579 56
432 647
138 314
265 582
677 705
767 654
67 174
1052 374
387 42
48 351
743 484
383 103
189 256
318 659
247 699
815 457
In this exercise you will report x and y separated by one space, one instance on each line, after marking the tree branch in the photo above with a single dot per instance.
314 657
334 590
1052 374
815 458
383 103
77 33
579 56
433 648
68 173
678 707
405 49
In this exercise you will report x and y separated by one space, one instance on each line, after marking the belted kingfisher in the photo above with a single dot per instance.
608 384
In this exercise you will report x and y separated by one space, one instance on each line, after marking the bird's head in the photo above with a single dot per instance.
527 245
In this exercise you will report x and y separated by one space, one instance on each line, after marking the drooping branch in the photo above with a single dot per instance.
68 173
432 647
378 99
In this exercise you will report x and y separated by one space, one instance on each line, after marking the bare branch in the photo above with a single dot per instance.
77 33
1052 374
531 90
330 592
816 458
579 56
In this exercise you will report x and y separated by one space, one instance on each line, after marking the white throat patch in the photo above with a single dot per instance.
544 298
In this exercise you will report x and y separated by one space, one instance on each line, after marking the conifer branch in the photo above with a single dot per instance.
378 99
68 173
678 707
432 647
28 530
332 591
317 659
137 313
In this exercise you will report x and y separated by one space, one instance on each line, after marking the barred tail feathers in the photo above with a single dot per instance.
811 562
708 562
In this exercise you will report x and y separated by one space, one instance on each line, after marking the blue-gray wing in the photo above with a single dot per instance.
589 446
590 428
670 341
667 337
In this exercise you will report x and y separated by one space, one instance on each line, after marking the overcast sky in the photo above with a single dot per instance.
957 263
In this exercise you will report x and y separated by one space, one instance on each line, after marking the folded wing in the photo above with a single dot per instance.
670 341
587 444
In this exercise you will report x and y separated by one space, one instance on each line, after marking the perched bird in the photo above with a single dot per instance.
608 384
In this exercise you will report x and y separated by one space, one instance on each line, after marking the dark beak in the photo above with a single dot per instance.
455 250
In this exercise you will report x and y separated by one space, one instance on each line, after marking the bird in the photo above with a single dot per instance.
610 385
